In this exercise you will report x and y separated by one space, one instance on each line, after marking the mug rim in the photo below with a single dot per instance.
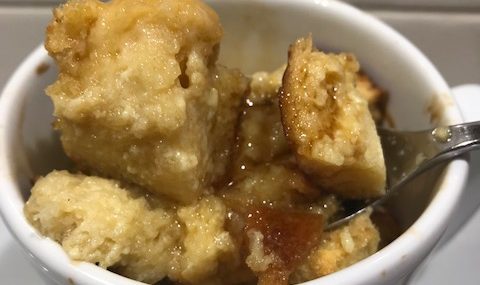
421 236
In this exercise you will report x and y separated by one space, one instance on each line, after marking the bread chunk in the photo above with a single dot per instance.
120 228
340 248
264 86
260 138
206 242
139 96
99 221
328 123
276 184
375 96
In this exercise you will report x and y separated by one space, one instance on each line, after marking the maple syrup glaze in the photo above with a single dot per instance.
288 235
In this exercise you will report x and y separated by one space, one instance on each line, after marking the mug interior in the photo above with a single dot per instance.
257 36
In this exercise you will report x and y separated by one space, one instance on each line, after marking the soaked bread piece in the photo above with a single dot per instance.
140 99
231 85
268 192
99 221
328 124
139 96
117 227
340 248
276 184
278 241
264 86
367 89
206 242
259 137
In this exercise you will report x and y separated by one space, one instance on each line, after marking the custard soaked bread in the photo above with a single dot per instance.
328 123
340 248
193 173
265 173
226 238
99 221
139 96
117 227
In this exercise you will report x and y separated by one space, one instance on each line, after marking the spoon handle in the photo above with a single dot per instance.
462 138
407 154
410 153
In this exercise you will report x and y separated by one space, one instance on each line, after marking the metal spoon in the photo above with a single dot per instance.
407 154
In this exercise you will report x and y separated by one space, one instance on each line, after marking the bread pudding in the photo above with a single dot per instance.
188 172
139 97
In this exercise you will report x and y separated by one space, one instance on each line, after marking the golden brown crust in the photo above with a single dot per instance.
328 124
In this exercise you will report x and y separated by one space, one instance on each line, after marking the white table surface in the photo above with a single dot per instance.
452 41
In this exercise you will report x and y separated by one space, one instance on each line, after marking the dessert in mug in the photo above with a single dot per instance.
190 172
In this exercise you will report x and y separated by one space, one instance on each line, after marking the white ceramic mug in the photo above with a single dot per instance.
257 34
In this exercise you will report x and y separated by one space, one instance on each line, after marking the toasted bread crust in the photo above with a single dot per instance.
328 124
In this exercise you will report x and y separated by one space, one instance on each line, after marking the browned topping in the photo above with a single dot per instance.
287 235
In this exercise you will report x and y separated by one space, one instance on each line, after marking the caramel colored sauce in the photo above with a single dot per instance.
288 235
